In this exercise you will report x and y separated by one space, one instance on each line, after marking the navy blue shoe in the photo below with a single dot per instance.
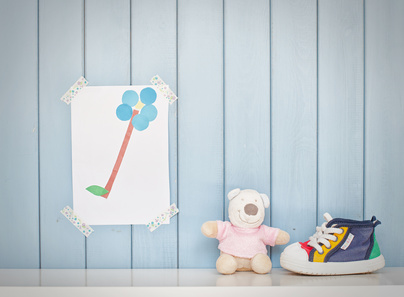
339 246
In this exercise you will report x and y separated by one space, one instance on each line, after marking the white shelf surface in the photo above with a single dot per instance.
194 282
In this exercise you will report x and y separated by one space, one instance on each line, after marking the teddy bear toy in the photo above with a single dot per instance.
243 240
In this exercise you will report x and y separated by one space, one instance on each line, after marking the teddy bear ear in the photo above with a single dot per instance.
265 199
233 193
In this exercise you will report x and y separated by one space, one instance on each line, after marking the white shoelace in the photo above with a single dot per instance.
324 235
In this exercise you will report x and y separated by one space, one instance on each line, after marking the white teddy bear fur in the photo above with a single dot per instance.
247 208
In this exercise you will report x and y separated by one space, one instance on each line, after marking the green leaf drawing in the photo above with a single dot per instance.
97 190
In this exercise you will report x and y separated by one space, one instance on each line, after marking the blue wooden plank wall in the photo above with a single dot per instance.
294 118
300 99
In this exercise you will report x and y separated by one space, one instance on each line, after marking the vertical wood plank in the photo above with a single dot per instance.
60 65
107 42
200 118
340 91
19 221
107 62
154 52
384 161
294 119
247 102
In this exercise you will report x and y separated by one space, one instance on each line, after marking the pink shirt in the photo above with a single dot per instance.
245 242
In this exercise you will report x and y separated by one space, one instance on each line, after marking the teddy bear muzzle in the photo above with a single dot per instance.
250 217
250 209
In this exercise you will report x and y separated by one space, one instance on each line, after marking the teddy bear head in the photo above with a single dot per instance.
247 208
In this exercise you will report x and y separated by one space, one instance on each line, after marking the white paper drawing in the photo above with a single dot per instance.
120 154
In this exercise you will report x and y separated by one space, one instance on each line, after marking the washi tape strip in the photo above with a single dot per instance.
76 221
168 213
74 90
163 88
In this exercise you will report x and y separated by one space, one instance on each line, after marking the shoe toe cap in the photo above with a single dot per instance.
295 251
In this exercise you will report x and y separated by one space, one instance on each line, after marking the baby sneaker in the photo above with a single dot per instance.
339 246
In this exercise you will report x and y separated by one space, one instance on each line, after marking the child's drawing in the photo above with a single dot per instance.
120 152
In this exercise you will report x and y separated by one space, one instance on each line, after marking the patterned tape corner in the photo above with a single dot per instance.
76 221
74 90
164 89
158 221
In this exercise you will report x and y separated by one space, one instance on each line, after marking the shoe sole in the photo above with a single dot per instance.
332 268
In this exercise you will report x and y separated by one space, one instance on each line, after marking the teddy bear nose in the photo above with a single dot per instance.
250 209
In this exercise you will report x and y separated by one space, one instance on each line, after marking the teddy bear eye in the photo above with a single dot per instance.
255 200
242 199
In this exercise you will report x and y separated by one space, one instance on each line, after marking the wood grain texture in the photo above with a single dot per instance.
154 52
340 99
247 97
227 124
107 42
294 119
19 215
200 131
60 65
107 62
384 118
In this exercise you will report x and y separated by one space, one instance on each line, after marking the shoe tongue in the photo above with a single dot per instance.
327 217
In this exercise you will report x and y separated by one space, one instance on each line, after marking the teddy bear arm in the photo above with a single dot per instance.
283 237
209 229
